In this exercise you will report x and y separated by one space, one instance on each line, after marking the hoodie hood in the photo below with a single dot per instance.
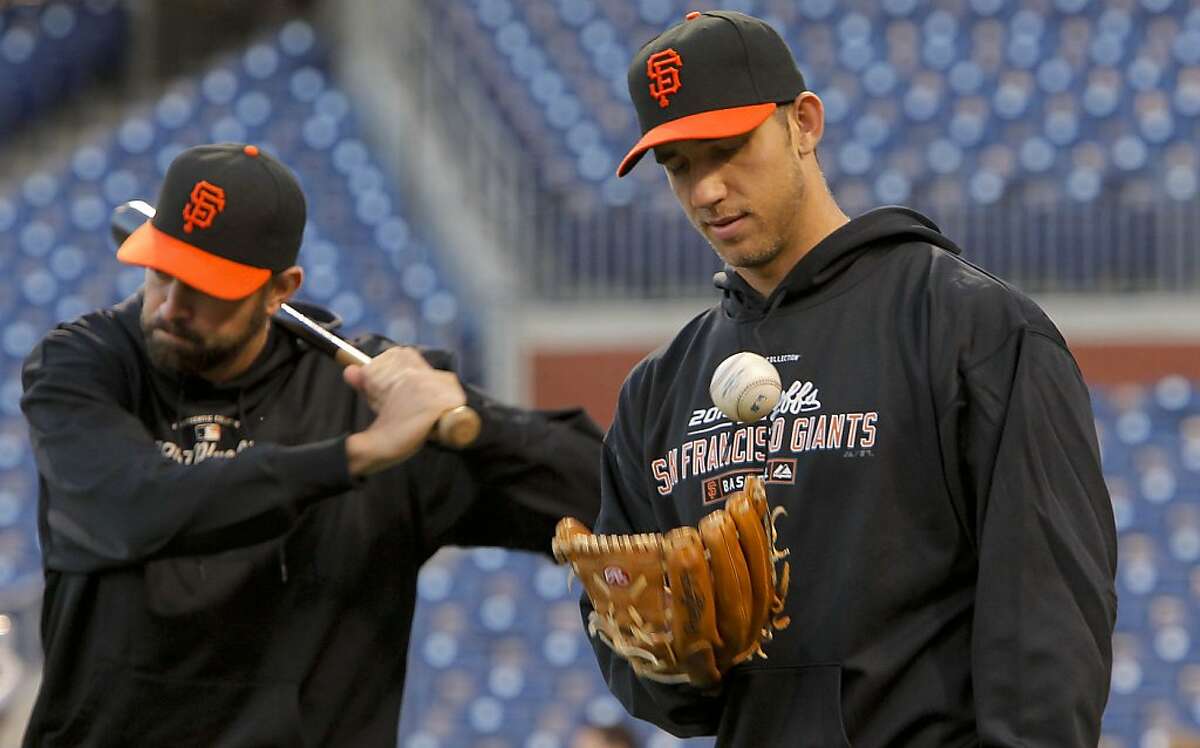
892 227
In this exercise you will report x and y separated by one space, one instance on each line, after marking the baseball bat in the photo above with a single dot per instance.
458 427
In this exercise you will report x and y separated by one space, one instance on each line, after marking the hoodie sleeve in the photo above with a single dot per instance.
1021 430
110 497
625 507
527 470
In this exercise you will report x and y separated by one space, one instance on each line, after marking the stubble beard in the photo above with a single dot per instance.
756 258
776 238
766 251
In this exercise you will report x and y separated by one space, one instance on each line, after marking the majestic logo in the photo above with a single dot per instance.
781 470
662 68
207 201
615 576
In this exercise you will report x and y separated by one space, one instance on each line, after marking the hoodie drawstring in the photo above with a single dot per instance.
179 411
177 430
248 430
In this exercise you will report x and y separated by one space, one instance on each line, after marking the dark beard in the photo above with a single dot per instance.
198 357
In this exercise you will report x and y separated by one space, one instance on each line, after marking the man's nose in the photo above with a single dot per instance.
178 301
708 189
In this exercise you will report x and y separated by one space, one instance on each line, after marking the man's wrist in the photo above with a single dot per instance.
362 456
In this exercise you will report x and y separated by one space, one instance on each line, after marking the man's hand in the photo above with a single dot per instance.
408 396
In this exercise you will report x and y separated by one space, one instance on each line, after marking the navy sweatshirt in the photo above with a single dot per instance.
214 577
952 542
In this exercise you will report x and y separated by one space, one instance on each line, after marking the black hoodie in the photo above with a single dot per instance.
214 577
952 542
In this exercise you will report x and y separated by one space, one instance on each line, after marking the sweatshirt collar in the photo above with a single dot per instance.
829 259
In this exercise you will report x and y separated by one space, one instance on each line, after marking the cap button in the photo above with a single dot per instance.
250 150
692 16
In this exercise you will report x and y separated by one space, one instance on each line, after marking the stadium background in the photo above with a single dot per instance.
458 158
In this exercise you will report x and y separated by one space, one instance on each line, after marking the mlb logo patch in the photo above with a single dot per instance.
208 432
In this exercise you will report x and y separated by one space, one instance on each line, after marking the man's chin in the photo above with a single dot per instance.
162 337
738 256
167 358
174 359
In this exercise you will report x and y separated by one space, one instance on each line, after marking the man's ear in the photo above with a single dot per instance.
282 286
806 118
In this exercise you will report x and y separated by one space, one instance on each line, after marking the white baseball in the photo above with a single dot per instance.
745 387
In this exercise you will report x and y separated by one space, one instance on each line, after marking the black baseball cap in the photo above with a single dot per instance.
228 216
715 75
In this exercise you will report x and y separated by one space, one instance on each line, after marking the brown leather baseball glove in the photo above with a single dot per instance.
685 606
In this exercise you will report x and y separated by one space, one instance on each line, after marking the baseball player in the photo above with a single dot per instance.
231 535
952 545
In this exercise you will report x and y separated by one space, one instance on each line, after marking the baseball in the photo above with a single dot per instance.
745 387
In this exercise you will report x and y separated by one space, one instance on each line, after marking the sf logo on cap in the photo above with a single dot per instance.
207 201
663 70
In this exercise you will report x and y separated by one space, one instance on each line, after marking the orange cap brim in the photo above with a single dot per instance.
721 123
207 273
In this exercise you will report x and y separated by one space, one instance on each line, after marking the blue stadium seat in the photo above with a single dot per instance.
50 51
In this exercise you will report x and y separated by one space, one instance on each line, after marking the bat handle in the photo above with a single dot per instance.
348 357
458 427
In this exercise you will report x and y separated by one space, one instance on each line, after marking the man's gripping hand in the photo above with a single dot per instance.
408 396
685 606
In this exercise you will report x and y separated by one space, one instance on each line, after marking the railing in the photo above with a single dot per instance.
1104 246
